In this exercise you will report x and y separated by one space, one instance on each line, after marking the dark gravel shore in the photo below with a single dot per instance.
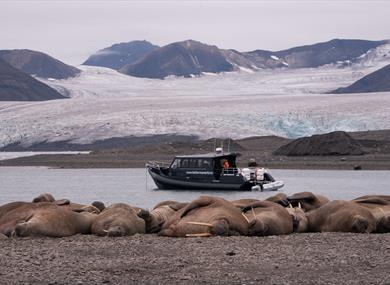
327 258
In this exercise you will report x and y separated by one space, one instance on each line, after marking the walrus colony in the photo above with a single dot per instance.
203 217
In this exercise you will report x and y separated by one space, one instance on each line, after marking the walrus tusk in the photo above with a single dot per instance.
200 224
105 231
383 212
199 235
246 218
289 205
253 213
299 205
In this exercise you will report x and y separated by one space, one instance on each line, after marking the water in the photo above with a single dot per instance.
134 187
14 154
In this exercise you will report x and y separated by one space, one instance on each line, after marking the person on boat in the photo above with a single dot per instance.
225 164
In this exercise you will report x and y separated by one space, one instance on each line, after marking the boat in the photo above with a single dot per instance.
211 171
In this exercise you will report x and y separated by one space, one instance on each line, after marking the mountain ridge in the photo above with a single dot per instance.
38 64
182 58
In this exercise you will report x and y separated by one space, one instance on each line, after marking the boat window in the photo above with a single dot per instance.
176 163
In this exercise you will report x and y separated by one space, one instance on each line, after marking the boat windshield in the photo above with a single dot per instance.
204 163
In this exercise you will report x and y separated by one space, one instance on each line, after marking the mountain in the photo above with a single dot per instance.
334 143
180 59
377 81
38 64
333 51
16 85
118 55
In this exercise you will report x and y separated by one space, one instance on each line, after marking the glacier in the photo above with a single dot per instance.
285 102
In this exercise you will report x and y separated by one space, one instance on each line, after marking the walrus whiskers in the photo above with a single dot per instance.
246 218
201 224
199 235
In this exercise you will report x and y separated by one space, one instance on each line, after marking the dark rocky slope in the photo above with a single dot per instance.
378 81
334 143
180 59
119 55
16 85
38 64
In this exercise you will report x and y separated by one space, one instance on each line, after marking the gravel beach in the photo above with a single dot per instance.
326 258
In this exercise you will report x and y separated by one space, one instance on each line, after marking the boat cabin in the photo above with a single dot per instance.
203 166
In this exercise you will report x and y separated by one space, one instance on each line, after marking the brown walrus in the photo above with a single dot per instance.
379 206
43 219
308 200
45 197
268 218
206 216
55 222
159 215
118 220
76 207
341 216
9 207
16 212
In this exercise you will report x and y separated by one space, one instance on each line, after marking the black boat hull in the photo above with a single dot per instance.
165 182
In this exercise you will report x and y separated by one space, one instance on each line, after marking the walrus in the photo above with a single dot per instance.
267 218
308 200
43 219
279 198
66 203
16 212
118 220
10 206
206 216
300 221
55 222
160 215
45 197
341 216
379 206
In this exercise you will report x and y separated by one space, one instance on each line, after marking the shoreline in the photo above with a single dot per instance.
320 258
134 152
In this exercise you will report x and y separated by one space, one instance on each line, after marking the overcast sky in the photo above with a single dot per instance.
72 30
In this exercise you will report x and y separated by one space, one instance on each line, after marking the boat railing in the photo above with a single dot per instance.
230 171
158 164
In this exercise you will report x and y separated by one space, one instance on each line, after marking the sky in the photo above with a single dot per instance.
72 30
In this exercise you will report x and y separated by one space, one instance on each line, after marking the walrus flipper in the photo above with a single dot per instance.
198 203
301 196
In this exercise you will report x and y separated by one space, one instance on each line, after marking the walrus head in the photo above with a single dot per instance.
99 205
116 231
359 224
383 224
45 197
151 223
257 228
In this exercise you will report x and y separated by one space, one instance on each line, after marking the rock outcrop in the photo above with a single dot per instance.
38 64
377 81
334 143
16 85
